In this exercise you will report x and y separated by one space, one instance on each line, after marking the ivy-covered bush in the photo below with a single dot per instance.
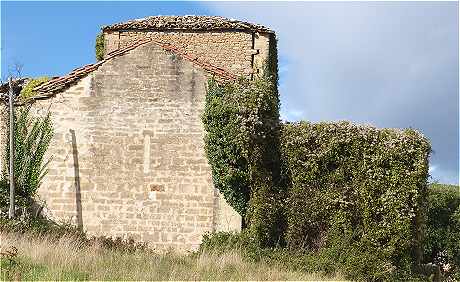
242 145
28 90
442 237
356 196
99 46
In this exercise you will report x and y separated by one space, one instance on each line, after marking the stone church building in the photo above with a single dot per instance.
128 150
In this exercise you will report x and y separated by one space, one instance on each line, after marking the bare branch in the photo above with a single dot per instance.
15 70
18 67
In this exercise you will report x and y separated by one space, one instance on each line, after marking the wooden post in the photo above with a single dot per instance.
11 170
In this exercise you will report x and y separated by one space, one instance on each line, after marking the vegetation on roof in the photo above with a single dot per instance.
28 90
100 46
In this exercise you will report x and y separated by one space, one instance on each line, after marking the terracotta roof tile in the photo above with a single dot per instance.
187 23
58 84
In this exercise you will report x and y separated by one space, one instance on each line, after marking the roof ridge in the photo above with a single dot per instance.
187 22
57 84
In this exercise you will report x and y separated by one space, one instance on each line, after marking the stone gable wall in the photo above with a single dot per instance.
234 51
134 128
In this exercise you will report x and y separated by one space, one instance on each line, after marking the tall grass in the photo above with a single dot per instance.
45 258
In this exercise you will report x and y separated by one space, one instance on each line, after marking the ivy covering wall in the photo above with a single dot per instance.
242 145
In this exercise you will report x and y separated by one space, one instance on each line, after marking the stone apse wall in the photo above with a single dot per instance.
240 52
128 157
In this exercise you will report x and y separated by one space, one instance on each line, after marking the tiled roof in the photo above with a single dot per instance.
58 84
187 23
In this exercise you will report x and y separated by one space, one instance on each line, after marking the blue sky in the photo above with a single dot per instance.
390 64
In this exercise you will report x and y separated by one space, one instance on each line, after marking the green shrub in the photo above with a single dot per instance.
28 90
221 242
44 227
38 226
442 238
32 136
356 196
243 243
242 145
99 46
250 250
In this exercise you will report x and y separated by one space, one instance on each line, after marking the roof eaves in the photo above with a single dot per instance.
56 85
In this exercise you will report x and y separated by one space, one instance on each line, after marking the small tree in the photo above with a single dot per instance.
32 136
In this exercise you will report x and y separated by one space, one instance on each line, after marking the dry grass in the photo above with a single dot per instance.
46 259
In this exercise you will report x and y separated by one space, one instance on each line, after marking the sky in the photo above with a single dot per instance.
389 64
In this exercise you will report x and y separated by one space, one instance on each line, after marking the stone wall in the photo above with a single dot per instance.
261 44
128 157
236 51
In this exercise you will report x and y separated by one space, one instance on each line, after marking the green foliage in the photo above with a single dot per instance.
41 259
29 270
242 145
221 242
32 136
356 195
8 262
225 146
44 227
28 90
327 263
271 66
99 46
442 238
341 197
244 243
39 226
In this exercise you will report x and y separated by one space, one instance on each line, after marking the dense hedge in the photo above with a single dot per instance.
442 239
356 195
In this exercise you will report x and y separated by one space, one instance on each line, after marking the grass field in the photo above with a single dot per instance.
64 259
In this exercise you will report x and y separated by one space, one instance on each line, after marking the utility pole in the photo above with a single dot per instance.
11 105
